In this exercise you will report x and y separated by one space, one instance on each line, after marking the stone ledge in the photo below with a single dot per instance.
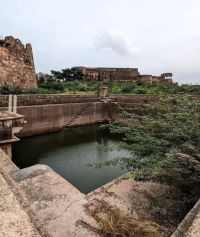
30 172
13 139
190 226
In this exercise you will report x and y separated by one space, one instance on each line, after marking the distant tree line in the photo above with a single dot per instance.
68 74
71 80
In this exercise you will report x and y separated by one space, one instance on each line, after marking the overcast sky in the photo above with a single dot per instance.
155 36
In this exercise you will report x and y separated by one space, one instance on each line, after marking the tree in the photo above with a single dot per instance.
68 74
163 138
43 77
77 73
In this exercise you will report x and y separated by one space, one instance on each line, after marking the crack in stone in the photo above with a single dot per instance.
50 219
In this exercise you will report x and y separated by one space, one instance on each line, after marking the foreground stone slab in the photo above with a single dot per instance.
16 216
14 220
58 204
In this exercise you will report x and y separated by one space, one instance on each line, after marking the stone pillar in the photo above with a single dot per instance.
10 104
99 92
7 149
15 104
105 92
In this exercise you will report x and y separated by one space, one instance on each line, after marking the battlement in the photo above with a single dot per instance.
16 63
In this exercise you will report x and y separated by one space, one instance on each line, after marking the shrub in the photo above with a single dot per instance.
37 91
140 91
82 87
59 86
128 87
7 90
16 90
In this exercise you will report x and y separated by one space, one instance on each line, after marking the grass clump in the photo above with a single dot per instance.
113 222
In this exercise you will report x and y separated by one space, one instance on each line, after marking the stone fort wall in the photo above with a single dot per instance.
16 63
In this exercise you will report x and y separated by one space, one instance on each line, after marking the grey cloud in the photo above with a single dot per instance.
115 44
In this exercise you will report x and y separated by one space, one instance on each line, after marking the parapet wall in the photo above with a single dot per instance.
29 100
16 63
133 98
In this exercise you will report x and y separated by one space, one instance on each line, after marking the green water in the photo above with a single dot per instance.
68 152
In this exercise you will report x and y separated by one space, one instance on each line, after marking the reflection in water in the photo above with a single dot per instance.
68 152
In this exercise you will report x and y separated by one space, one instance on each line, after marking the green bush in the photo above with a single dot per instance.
82 87
128 87
16 90
140 91
115 90
92 86
59 86
37 91
164 146
7 90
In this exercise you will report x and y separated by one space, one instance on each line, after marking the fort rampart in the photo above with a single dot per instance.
16 63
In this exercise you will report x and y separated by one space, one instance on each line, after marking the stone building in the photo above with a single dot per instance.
110 74
16 63
122 75
164 78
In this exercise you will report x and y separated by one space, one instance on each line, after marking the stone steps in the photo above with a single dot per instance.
80 114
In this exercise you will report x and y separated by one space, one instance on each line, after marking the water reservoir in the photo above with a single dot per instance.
69 151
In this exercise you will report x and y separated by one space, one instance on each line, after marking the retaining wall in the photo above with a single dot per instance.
49 118
50 113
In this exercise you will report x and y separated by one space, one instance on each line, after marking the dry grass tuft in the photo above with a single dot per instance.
115 223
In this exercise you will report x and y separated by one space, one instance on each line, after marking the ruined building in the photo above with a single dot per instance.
16 63
122 75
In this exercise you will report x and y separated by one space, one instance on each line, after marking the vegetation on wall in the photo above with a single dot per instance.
164 144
